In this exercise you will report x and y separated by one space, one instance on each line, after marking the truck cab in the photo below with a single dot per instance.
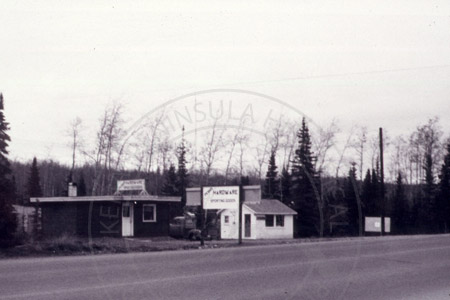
184 227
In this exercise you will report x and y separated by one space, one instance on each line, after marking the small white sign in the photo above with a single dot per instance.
373 224
221 197
131 185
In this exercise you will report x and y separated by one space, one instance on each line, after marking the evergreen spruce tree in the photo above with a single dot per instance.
369 194
351 200
34 182
427 215
285 186
8 221
415 211
245 180
375 192
34 190
366 191
443 204
183 176
272 185
170 186
14 191
81 188
399 214
305 192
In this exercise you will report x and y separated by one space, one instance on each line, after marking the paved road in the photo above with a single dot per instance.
376 268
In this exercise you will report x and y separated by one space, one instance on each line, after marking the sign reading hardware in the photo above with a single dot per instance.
131 185
221 197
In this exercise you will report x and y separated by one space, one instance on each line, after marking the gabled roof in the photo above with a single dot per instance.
270 207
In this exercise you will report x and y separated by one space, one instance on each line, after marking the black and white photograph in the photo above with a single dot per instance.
225 149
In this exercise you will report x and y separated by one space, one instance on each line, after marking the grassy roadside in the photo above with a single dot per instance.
64 246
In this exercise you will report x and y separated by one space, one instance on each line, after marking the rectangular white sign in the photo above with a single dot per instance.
221 197
131 185
373 224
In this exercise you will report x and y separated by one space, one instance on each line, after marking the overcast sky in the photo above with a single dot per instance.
374 63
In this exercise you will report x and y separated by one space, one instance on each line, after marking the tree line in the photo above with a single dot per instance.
328 206
310 179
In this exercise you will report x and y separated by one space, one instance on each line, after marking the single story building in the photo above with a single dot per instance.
96 216
261 218
266 219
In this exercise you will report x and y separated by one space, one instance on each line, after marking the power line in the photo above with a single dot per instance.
340 75
320 76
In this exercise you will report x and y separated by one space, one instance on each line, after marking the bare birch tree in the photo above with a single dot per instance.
262 151
232 142
358 145
74 132
343 151
108 150
399 157
374 145
164 149
242 147
213 143
153 138
428 137
323 142
288 140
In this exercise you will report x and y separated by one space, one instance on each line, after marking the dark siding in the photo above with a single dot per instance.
82 219
148 229
59 219
104 219
100 219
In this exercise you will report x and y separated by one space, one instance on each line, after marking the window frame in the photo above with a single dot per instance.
273 221
154 213
276 220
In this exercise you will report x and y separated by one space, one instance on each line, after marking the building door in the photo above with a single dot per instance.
248 226
127 219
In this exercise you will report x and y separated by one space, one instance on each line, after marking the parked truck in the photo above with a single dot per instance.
185 227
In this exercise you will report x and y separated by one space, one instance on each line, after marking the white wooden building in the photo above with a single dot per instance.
266 219
261 218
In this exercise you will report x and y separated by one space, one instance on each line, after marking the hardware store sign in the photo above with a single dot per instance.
221 197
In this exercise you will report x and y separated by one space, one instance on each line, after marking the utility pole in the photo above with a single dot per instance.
203 219
382 182
240 212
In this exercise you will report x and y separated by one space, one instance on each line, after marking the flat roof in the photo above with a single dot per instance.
105 198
